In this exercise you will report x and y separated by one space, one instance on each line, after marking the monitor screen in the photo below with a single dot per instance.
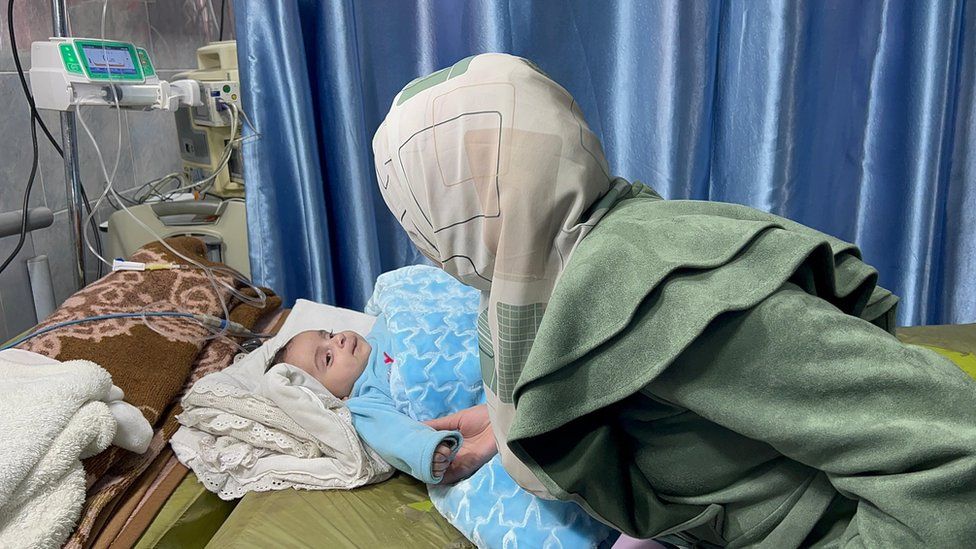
109 60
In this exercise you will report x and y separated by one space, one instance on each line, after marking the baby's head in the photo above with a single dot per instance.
335 360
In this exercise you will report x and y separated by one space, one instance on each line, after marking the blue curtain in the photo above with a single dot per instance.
856 118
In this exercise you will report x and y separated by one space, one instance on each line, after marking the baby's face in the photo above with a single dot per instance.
335 360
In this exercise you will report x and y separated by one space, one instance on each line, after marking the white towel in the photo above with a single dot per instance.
246 430
52 415
134 433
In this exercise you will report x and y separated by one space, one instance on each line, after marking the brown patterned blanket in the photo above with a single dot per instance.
151 364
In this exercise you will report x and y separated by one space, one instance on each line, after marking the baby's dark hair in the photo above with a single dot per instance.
278 357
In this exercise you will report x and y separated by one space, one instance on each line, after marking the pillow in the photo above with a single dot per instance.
306 315
432 318
493 511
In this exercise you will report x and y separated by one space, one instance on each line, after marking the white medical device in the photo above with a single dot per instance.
67 72
204 131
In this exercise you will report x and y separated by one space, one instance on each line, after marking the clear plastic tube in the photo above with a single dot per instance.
198 318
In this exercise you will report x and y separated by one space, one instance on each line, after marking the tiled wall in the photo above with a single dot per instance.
171 30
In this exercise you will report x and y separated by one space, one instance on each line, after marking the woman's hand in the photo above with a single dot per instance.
478 446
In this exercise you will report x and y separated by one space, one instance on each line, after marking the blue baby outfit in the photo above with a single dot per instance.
403 442
431 323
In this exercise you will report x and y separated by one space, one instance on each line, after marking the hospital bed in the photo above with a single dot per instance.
167 507
157 502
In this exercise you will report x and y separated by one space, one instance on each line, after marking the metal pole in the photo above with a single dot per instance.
72 176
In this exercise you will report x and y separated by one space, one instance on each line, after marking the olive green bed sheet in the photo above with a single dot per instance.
190 517
392 514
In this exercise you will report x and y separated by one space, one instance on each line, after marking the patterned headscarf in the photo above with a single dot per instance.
494 174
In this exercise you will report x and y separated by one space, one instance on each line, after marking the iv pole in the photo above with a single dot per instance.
72 176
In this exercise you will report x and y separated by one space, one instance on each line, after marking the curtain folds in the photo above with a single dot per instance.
856 118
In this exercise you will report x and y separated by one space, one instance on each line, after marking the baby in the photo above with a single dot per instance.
345 363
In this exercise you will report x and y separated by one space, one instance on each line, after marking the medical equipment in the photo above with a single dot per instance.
207 130
67 72
222 227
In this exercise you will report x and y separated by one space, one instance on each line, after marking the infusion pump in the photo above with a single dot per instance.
68 72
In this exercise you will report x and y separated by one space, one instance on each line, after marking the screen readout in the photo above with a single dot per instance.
109 60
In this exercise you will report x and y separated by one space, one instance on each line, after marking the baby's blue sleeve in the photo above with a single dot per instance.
403 442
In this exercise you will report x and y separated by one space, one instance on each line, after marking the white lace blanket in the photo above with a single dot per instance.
243 430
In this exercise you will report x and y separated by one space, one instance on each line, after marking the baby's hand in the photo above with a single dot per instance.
442 459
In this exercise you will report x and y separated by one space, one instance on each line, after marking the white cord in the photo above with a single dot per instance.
254 130
204 184
152 187
213 17
215 282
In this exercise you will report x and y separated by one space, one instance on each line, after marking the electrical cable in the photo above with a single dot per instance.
223 5
233 328
152 189
36 116
25 210
203 185
33 173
